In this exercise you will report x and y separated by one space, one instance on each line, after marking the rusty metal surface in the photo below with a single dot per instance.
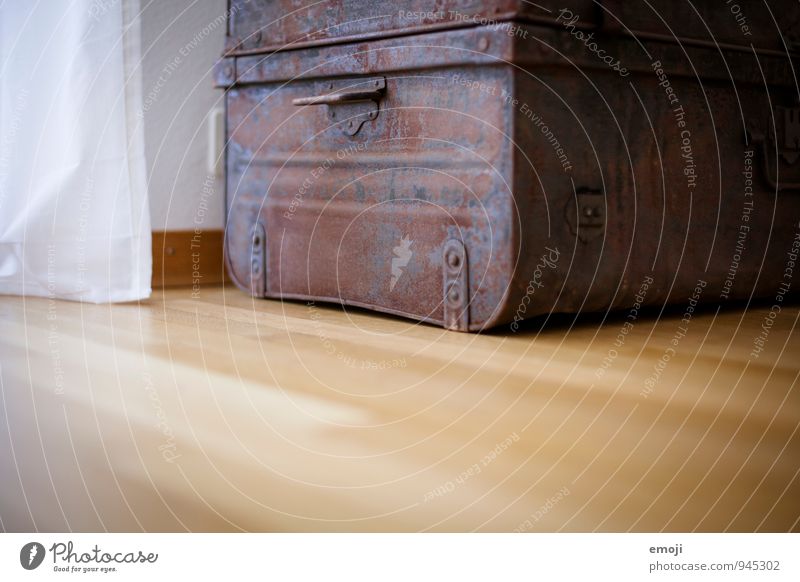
268 25
566 182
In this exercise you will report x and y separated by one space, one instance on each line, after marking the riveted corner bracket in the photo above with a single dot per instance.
258 261
455 286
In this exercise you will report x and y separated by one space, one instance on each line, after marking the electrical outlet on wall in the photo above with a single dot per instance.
216 142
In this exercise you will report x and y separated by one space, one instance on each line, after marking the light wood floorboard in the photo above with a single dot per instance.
223 413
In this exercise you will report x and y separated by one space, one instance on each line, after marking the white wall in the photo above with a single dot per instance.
181 41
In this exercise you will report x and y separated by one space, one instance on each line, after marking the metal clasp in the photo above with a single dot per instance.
351 102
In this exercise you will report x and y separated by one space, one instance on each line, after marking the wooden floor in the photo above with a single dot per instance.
221 413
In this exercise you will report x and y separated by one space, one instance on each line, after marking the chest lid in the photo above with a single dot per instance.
258 26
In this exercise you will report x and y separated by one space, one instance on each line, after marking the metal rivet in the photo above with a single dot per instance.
453 260
483 44
454 296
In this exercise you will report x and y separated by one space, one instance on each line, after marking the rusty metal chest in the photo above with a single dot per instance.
480 163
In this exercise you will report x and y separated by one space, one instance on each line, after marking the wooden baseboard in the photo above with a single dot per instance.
188 258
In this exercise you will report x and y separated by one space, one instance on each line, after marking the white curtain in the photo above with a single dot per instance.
74 220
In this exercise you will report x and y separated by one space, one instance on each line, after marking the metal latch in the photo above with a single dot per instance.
351 102
791 133
586 214
785 138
